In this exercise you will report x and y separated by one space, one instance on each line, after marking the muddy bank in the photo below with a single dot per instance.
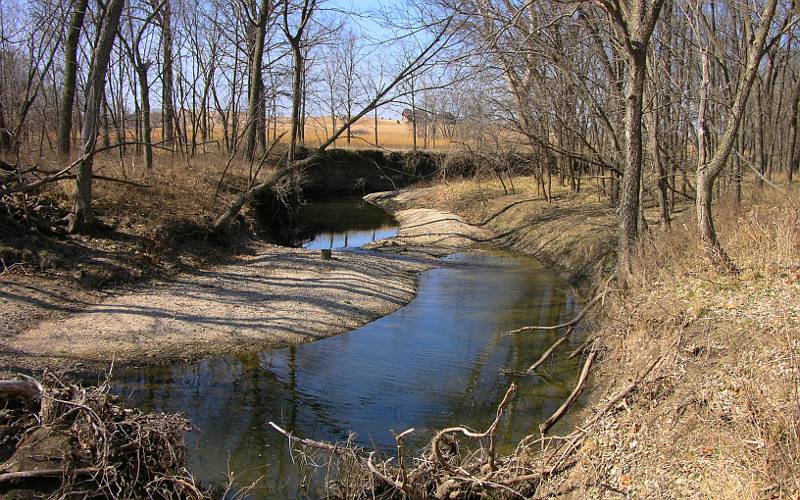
274 297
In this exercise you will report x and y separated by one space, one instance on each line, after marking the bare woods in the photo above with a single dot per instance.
652 101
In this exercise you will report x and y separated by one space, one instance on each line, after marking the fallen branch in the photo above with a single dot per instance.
546 355
580 349
103 178
571 441
437 453
305 441
555 417
622 394
11 478
574 321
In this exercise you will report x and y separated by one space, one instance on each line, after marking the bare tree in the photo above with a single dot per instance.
82 218
709 168
295 38
255 98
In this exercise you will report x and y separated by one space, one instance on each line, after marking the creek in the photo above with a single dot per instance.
433 363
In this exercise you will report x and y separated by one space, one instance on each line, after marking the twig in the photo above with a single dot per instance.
555 417
437 453
574 321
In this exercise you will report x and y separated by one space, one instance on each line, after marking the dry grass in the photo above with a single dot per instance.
392 134
161 217
719 415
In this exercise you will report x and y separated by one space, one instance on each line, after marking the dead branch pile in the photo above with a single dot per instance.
87 444
450 467
447 467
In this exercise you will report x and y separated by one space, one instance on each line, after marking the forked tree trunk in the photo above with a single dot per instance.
82 218
709 170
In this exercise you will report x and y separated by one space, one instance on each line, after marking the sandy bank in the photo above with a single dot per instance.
275 297
574 234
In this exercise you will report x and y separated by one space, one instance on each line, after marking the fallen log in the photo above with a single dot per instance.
28 388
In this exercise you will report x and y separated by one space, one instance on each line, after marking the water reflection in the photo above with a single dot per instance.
431 364
342 223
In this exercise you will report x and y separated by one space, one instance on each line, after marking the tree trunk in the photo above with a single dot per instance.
297 75
631 180
793 154
661 171
5 135
82 217
64 139
255 94
144 88
167 76
376 128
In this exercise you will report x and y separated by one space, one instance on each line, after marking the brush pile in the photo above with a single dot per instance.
68 441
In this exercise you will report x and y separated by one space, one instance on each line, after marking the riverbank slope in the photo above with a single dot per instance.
717 416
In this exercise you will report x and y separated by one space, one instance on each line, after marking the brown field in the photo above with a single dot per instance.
392 134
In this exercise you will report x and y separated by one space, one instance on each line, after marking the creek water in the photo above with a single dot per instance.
433 363
342 223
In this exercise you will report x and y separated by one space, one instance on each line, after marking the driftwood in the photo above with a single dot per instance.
580 348
490 432
308 442
555 417
546 355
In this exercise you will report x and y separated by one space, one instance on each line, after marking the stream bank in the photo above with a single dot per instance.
267 297
695 391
